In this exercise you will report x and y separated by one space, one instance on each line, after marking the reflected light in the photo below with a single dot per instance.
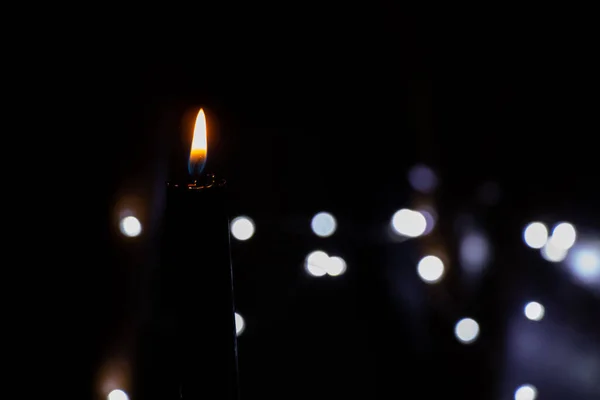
430 269
117 394
199 146
534 311
242 228
409 223
323 224
526 392
564 235
240 325
466 330
535 235
130 226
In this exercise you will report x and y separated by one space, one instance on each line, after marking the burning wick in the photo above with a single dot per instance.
198 150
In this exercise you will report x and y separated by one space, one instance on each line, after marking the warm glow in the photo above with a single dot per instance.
199 146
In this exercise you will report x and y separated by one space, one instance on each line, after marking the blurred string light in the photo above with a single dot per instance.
240 324
323 224
242 228
409 223
422 178
318 263
564 236
466 330
117 394
430 218
526 392
130 226
534 311
583 262
430 269
551 252
475 250
535 235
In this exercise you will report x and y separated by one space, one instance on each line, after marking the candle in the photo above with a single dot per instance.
191 353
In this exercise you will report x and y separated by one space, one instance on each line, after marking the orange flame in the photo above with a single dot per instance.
199 145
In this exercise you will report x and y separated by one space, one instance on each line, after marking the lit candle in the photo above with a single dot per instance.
191 351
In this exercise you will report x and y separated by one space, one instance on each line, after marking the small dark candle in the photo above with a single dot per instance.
191 351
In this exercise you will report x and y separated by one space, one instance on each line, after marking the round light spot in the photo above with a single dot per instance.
466 330
130 226
409 223
430 269
240 325
117 394
564 235
323 224
336 266
551 252
534 311
317 263
535 235
242 228
422 178
526 392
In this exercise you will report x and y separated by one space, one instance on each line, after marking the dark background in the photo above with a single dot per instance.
315 108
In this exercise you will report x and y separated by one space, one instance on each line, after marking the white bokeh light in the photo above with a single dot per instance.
535 235
409 223
564 235
550 252
583 262
317 263
240 324
323 224
466 330
534 311
336 266
117 394
130 226
242 228
526 392
430 269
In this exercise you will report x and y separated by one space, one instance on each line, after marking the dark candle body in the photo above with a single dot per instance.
190 350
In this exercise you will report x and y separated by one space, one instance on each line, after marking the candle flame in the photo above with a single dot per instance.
199 146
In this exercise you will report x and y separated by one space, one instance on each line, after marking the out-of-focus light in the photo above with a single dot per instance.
526 392
474 252
534 311
240 325
130 226
583 262
336 266
409 223
242 228
422 178
564 235
466 330
317 263
323 224
552 253
535 235
117 394
430 269
430 218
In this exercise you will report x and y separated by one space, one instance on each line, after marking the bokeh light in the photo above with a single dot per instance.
240 324
534 311
475 250
336 266
323 224
564 236
550 252
583 262
535 235
409 223
422 178
242 228
466 330
526 392
316 263
117 394
130 226
430 269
